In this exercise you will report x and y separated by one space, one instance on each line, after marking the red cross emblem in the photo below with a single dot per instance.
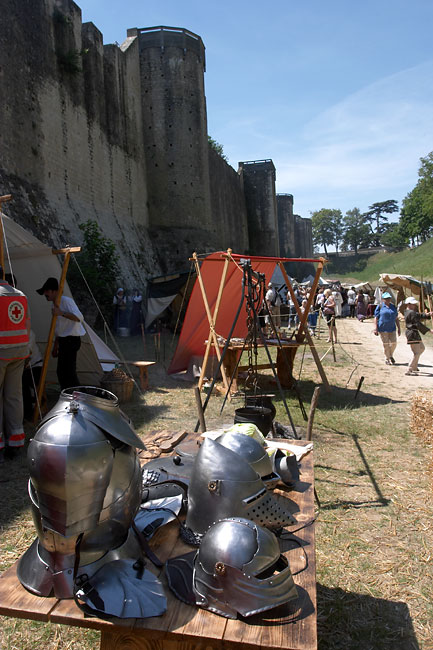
16 312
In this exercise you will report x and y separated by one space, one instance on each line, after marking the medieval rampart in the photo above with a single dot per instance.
119 135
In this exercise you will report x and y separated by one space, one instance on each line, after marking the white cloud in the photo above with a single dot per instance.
366 148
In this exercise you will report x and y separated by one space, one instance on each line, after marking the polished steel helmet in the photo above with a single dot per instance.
239 569
85 490
223 484
253 452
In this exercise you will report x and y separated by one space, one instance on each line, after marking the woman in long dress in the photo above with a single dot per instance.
136 313
361 306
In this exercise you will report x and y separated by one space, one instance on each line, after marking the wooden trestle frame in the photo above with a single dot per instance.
212 318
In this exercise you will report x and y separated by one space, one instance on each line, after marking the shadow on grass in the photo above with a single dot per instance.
350 621
339 398
380 502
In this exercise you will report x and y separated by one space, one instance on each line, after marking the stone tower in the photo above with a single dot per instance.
259 186
172 65
286 225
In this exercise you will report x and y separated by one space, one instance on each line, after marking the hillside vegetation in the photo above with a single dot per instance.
417 262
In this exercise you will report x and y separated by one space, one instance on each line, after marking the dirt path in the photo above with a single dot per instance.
358 340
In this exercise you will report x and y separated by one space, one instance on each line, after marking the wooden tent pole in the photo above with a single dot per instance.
421 297
212 338
319 270
430 307
41 386
307 333
3 199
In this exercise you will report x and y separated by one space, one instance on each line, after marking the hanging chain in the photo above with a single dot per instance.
254 293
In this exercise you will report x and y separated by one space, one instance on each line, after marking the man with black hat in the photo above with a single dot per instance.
14 349
69 330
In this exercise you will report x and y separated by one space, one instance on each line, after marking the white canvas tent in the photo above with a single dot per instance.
32 262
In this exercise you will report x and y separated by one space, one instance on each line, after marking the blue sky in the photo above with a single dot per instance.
339 93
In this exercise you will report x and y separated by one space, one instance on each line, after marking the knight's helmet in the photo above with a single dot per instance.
253 452
239 569
223 484
85 489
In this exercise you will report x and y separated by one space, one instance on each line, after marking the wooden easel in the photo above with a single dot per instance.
303 317
41 387
212 338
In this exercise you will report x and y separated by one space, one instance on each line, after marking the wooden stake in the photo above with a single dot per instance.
200 409
313 406
359 387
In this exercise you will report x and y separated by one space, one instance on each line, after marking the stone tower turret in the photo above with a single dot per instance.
260 195
286 225
172 65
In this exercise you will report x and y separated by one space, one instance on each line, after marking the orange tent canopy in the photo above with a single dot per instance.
195 329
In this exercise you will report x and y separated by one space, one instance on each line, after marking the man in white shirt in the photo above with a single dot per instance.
351 301
273 300
69 330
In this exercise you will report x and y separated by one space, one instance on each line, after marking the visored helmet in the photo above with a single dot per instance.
253 452
84 484
224 485
239 569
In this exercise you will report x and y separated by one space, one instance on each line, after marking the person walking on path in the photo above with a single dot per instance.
386 325
69 330
351 301
14 349
361 306
413 318
329 313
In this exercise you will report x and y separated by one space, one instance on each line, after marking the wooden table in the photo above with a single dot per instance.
182 627
284 362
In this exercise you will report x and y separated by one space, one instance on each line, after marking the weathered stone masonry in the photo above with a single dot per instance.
119 135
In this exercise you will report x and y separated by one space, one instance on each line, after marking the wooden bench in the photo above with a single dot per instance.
142 367
182 627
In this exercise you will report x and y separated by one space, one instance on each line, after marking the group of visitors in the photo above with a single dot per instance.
127 311
361 305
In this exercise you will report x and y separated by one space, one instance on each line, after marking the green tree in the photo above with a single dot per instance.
327 227
98 262
376 215
356 230
217 147
416 221
394 237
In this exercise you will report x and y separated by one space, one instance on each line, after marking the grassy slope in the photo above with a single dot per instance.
416 262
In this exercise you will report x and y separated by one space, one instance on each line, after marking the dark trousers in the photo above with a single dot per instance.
67 361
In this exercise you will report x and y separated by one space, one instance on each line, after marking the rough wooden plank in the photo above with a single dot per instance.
20 603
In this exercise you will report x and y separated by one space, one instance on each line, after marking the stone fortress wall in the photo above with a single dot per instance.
118 134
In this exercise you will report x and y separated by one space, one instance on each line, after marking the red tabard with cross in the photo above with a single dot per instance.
13 320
